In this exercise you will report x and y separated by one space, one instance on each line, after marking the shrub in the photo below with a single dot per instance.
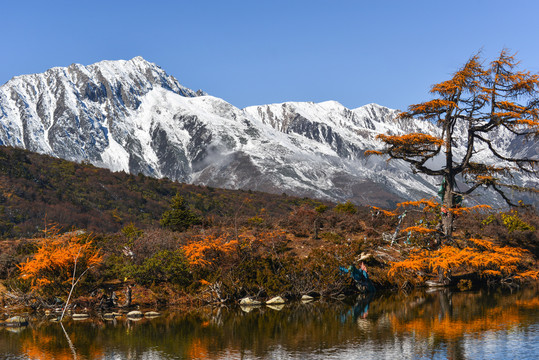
164 267
346 208
60 261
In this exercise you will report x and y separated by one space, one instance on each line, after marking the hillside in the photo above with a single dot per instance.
35 189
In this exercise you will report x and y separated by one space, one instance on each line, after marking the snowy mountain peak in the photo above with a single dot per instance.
130 115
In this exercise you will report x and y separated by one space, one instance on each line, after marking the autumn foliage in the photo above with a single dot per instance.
59 259
206 250
476 101
479 256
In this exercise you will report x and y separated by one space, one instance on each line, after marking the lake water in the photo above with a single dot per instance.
487 324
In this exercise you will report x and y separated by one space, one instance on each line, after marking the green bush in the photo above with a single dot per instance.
513 222
346 208
165 266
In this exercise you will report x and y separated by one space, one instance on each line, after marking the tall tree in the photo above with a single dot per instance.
480 101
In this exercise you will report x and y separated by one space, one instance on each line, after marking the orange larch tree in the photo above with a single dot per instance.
478 101
60 263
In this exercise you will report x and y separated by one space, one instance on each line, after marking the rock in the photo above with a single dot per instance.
306 298
80 316
275 300
16 321
365 257
434 283
249 302
134 314
249 308
152 314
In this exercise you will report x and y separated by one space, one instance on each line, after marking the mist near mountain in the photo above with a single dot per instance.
132 116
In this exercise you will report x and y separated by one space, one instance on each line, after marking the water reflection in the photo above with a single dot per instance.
418 325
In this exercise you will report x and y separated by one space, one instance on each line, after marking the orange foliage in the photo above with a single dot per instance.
483 257
373 152
462 210
463 78
419 229
205 250
51 268
410 140
530 274
527 122
385 212
208 250
425 204
436 105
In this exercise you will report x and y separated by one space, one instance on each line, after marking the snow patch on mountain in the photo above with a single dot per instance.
131 116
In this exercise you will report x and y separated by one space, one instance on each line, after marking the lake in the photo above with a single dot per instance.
485 324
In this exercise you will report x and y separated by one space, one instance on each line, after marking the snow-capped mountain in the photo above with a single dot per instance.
131 116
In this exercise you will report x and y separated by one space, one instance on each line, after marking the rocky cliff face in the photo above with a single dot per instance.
131 116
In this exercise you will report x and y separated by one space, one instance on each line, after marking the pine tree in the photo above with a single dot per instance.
179 217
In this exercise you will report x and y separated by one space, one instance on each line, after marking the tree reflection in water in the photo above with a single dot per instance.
416 325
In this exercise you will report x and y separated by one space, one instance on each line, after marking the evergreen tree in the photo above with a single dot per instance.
179 217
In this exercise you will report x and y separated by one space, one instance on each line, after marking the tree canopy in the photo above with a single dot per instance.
477 101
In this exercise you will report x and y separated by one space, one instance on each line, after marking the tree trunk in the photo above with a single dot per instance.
447 215
449 180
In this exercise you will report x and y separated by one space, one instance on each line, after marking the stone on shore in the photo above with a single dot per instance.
16 321
80 316
249 302
135 314
275 301
152 314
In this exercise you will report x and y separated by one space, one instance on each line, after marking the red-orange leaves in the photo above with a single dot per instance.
463 210
432 106
372 152
481 256
419 229
425 204
465 78
205 250
385 212
51 269
411 144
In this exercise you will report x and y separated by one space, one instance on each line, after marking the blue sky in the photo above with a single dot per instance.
257 52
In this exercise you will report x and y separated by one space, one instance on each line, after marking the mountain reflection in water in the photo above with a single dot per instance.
489 324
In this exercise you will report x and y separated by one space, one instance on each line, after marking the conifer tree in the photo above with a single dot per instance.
481 101
179 217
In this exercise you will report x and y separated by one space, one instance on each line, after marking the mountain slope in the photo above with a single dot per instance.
131 116
39 189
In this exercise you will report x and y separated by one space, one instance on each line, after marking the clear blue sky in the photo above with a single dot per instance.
255 52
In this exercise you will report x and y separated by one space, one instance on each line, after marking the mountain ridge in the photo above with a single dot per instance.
130 115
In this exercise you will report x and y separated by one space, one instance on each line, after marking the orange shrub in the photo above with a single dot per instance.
59 259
